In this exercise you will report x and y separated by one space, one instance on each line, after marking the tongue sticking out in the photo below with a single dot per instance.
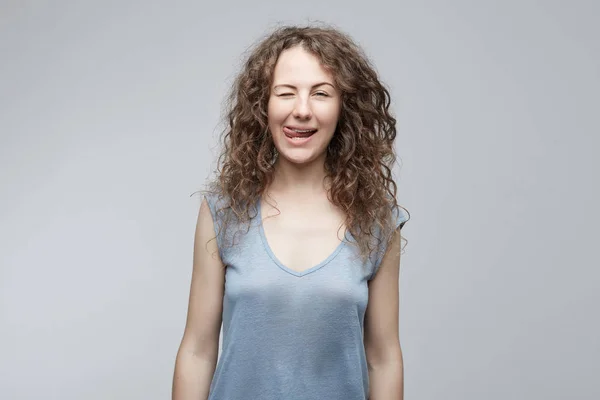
293 133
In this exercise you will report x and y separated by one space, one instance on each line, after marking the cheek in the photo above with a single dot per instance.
326 110
276 110
269 111
330 114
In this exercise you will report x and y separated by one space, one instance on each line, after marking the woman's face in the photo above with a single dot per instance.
304 103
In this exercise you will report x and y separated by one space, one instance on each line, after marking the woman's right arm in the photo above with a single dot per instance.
197 355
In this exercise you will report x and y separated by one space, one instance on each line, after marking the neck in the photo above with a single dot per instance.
299 180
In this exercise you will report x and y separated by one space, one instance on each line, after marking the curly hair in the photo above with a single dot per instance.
359 157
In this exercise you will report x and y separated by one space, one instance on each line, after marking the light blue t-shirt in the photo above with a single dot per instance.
287 334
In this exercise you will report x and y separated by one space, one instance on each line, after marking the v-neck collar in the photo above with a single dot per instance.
271 254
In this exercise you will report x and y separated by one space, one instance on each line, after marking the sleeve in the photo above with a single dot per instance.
212 202
401 216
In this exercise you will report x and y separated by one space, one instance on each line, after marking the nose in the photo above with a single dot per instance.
302 109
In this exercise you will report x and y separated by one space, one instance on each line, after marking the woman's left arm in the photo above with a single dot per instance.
382 342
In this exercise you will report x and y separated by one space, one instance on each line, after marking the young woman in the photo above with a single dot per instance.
297 246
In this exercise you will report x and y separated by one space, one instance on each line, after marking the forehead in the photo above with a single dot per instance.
297 66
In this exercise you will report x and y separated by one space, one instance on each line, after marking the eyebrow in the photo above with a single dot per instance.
294 87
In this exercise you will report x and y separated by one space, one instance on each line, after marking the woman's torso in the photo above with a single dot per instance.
293 310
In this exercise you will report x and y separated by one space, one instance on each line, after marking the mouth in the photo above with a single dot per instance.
299 133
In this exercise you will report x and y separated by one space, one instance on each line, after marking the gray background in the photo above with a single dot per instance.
109 113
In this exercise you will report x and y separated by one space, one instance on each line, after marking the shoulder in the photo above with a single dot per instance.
400 216
218 205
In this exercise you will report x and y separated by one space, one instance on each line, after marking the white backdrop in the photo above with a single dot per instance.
108 119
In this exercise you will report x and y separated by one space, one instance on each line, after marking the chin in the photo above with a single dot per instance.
298 159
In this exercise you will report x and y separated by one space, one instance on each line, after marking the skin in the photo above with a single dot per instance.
303 94
197 356
382 343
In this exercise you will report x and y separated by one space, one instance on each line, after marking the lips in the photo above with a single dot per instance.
292 131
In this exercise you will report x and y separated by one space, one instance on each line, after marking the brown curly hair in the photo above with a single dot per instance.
359 157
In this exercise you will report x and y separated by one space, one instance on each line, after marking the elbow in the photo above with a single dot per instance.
206 350
382 356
